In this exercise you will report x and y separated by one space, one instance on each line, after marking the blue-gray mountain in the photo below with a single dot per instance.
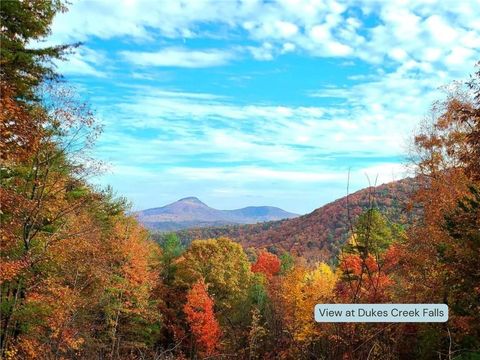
190 212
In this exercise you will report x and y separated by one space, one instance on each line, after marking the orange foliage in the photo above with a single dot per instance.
267 263
201 318
351 264
367 279
19 130
9 269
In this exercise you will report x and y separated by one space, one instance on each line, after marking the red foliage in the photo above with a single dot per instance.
391 258
351 264
201 318
267 263
366 279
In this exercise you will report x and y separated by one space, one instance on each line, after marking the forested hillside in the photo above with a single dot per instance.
320 235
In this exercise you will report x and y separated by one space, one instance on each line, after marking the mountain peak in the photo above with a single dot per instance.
192 199
190 212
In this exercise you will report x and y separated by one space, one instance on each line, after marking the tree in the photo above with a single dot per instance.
294 299
223 265
372 234
24 23
22 69
301 290
225 269
267 264
77 274
171 250
445 156
287 262
201 319
368 258
256 336
39 194
133 272
462 274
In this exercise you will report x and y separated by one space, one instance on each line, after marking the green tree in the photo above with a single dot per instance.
24 25
287 263
372 234
463 268
172 248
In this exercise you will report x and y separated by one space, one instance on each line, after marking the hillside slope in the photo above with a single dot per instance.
320 234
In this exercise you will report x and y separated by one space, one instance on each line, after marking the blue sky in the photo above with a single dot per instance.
252 102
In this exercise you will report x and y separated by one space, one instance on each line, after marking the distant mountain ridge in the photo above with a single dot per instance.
190 212
319 235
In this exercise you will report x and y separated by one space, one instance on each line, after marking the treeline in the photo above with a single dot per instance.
82 280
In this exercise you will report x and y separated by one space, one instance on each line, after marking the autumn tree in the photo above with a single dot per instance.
368 258
299 291
445 158
223 265
23 129
201 319
267 263
256 336
367 270
225 269
76 273
39 194
23 68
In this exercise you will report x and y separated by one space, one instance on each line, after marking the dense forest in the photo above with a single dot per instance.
320 235
80 279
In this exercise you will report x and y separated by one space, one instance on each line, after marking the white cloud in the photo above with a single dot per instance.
376 175
254 174
440 30
286 28
398 54
320 33
179 57
183 126
288 47
327 29
458 55
262 53
84 61
430 54
382 173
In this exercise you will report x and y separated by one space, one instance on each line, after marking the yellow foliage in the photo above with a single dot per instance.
301 289
224 266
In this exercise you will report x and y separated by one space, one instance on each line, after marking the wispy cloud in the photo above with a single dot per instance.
85 62
179 57
185 127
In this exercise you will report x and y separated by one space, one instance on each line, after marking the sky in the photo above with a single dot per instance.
249 102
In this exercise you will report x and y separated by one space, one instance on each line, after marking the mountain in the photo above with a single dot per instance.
191 212
318 236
